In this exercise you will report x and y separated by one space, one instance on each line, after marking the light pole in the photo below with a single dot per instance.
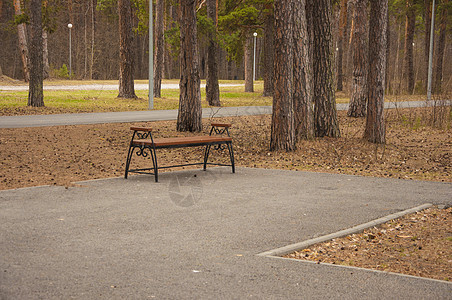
254 59
70 50
151 60
430 56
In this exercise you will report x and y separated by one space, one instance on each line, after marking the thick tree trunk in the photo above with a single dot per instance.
249 80
212 86
126 85
302 69
35 92
22 36
341 44
325 115
159 49
282 127
358 97
269 23
440 49
409 38
375 131
190 113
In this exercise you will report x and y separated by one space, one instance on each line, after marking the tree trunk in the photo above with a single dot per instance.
93 30
388 53
22 36
249 80
325 115
190 113
302 69
126 85
440 48
358 97
159 54
375 131
409 38
45 53
35 93
282 127
212 86
269 23
341 44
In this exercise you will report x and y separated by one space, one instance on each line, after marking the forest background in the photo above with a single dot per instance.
95 40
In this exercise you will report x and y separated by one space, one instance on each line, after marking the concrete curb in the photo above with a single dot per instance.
359 228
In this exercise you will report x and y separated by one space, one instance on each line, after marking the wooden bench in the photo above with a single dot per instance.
144 144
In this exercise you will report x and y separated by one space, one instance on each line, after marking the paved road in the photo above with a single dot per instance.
101 87
190 237
154 115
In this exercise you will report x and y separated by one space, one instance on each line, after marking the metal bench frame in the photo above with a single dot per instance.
142 144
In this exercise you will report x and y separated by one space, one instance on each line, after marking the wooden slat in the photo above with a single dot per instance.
141 128
221 124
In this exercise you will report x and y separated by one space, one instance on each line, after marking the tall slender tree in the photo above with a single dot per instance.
269 24
22 36
126 64
358 99
441 46
341 43
375 131
190 113
159 48
35 92
325 114
409 38
249 80
212 85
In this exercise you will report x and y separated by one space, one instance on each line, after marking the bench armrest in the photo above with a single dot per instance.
220 128
141 128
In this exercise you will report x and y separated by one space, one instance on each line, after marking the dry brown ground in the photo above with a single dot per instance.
419 244
65 154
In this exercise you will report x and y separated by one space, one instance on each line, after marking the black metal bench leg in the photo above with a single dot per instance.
154 161
129 158
206 156
231 155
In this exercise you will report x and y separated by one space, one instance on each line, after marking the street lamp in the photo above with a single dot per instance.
70 50
430 56
254 59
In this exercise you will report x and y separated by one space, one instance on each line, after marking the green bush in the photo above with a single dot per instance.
61 73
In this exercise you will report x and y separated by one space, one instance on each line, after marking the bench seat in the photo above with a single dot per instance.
179 142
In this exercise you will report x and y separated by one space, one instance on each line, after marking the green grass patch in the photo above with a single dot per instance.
60 101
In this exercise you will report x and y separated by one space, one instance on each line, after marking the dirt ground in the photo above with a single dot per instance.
62 155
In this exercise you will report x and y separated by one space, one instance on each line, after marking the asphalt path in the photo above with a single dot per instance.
99 87
198 235
156 115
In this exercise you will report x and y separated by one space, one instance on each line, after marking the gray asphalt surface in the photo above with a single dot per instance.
152 115
98 87
190 237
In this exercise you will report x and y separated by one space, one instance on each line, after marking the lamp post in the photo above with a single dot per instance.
430 56
254 58
151 60
70 50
